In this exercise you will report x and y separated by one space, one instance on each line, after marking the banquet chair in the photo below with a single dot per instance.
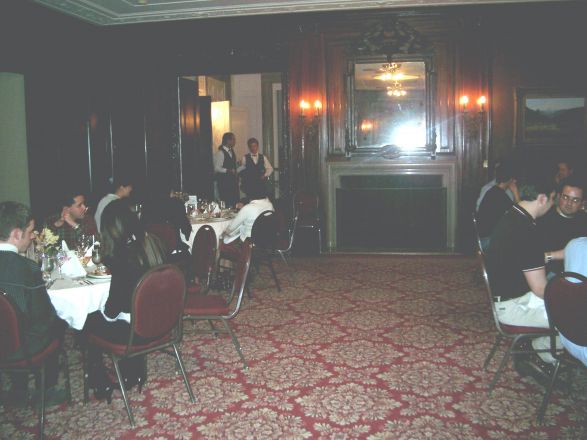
10 343
264 239
215 307
166 233
156 311
566 307
476 232
285 237
307 212
505 331
203 260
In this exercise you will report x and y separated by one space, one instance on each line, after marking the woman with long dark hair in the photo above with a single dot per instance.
128 253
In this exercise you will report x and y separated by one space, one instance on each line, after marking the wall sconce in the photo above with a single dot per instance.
310 128
474 126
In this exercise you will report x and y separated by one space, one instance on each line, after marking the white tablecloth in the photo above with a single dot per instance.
218 224
74 301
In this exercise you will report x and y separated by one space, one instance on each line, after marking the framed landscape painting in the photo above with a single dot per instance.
547 117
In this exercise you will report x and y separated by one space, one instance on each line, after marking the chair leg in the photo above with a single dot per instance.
86 375
319 241
498 339
235 342
42 408
185 378
502 364
273 274
123 391
547 394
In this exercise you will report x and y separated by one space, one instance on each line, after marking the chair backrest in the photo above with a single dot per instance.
157 302
240 275
166 233
285 232
565 298
264 231
9 327
204 254
306 207
490 295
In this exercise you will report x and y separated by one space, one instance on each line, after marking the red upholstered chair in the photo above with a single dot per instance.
203 259
504 331
307 211
157 308
166 233
214 307
10 342
565 298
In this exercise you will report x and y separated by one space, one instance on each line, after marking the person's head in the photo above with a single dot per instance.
119 226
563 170
256 192
75 204
228 139
16 225
505 172
539 191
570 196
253 145
122 188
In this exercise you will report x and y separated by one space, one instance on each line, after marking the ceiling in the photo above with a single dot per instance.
114 12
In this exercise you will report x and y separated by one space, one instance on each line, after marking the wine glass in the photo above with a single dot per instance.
97 257
47 266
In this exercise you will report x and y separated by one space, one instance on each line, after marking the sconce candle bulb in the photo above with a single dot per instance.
481 102
304 105
464 100
317 107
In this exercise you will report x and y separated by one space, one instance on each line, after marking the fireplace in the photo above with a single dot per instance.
391 205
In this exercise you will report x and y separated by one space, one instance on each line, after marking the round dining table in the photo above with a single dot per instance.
75 298
219 224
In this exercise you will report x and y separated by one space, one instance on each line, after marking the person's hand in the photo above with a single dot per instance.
67 218
239 205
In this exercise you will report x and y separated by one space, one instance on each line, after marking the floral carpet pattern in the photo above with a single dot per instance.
354 347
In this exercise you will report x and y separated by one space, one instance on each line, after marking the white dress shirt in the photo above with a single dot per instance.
242 224
105 201
219 161
268 167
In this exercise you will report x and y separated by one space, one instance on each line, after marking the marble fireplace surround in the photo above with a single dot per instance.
377 166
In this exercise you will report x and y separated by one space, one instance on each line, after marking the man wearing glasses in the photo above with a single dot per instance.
565 221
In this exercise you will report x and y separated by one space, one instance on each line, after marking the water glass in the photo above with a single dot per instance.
47 267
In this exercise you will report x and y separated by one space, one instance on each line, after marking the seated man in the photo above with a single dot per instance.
511 194
22 281
242 225
72 222
122 189
563 222
576 261
516 266
257 168
496 202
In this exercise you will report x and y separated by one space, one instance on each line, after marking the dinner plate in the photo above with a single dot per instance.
101 277
217 219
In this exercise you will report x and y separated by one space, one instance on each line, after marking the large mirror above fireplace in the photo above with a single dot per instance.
390 104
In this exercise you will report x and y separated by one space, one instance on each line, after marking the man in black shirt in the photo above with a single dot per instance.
563 222
496 202
516 260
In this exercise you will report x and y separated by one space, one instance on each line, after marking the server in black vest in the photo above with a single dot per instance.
225 169
257 169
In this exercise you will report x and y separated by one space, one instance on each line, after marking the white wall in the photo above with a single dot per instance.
246 98
14 171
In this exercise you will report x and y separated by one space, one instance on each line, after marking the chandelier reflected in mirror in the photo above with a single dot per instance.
390 72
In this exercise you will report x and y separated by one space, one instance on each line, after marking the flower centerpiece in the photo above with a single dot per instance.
47 242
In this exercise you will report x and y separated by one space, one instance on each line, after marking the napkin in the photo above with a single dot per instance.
64 246
71 267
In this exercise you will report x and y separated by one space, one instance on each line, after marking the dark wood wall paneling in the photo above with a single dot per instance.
74 77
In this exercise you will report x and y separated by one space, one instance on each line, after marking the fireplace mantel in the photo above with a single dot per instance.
376 166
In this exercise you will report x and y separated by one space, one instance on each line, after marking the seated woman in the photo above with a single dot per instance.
129 252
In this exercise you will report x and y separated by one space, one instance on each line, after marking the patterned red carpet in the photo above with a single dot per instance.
379 347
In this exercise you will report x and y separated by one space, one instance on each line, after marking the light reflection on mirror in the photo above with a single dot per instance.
390 104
